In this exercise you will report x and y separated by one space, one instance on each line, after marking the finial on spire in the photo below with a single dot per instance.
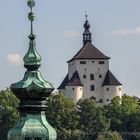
31 3
86 16
31 17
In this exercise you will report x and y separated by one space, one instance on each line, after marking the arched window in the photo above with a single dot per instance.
91 76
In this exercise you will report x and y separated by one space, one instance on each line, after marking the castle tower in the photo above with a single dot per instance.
32 91
89 75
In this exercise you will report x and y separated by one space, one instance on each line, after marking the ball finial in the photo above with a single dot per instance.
86 16
31 3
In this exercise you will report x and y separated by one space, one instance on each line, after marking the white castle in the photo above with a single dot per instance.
89 75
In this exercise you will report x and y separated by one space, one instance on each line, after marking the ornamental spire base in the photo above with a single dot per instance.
32 92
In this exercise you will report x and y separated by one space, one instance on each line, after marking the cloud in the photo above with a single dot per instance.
72 33
15 59
127 31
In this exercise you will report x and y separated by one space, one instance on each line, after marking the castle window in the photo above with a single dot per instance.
93 98
80 88
100 76
92 87
84 76
91 76
101 62
82 62
72 88
107 100
107 89
120 89
100 100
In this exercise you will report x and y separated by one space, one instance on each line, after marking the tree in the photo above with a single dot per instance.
122 115
92 120
62 115
109 136
8 112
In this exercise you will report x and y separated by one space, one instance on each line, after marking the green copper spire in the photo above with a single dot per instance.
32 91
32 58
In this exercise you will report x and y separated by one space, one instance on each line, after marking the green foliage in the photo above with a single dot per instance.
62 115
125 116
8 112
84 120
92 120
108 135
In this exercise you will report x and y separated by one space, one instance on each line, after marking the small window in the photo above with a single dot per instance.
92 87
82 62
120 89
107 100
101 101
80 88
101 62
84 76
92 61
72 88
107 89
91 77
100 76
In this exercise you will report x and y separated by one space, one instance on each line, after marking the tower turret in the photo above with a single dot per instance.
87 34
32 91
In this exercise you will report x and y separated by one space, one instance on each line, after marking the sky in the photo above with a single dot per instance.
115 27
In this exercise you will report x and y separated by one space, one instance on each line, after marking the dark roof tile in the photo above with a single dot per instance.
64 82
89 52
75 80
110 79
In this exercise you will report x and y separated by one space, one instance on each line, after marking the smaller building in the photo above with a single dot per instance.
89 75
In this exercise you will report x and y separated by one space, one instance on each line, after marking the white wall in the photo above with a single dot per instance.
111 93
92 67
71 68
74 92
61 91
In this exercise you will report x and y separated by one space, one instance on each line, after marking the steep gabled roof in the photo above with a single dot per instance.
110 79
89 51
64 82
75 80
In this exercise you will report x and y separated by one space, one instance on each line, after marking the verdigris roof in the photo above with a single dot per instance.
110 79
89 51
75 80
